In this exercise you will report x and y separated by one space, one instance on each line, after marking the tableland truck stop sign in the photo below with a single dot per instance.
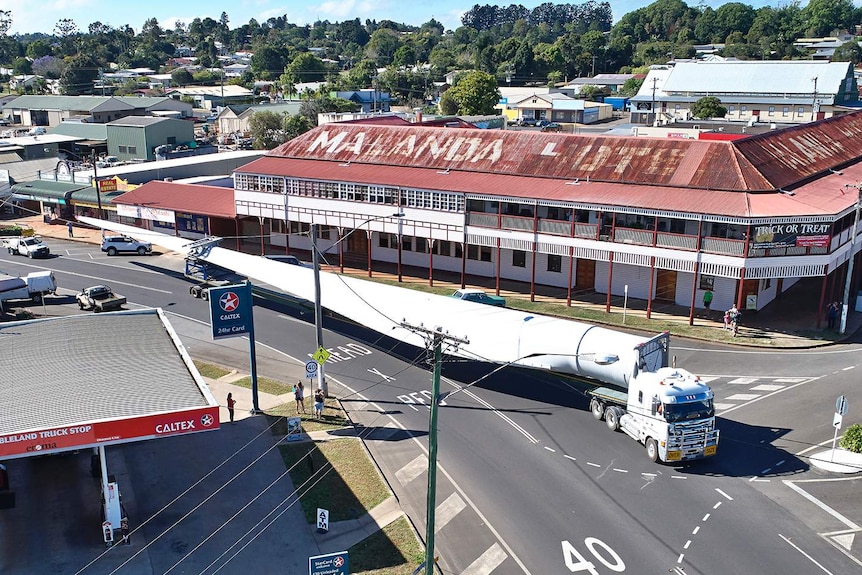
231 311
331 564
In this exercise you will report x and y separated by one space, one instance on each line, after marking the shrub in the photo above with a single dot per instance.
11 231
852 439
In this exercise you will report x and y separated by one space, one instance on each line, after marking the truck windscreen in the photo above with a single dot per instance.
685 411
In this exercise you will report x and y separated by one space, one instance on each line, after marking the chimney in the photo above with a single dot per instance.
418 113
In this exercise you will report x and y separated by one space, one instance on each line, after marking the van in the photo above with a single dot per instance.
41 283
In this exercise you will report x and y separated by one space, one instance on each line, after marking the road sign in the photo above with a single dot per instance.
231 311
331 564
841 405
322 520
321 355
311 369
836 420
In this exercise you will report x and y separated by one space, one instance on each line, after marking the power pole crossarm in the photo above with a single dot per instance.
436 338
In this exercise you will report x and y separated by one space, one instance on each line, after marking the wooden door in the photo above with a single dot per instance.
585 274
665 285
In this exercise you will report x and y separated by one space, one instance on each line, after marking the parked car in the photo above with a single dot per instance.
99 298
552 127
31 246
527 122
542 123
36 131
113 245
287 259
107 162
478 296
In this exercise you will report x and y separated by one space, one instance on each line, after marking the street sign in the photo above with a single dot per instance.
322 520
294 428
836 420
841 405
331 564
321 355
311 369
231 311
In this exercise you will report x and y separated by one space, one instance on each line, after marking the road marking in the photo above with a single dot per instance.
412 470
687 544
447 511
767 387
720 406
743 396
569 457
717 505
743 380
678 477
725 495
621 470
551 450
792 485
101 279
384 433
789 379
705 517
765 471
681 557
696 529
487 562
649 474
806 382
848 368
496 412
593 464
809 557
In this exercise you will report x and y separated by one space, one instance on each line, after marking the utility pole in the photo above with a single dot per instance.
318 309
852 257
435 339
814 107
652 106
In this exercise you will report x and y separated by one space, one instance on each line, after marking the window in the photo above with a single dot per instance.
771 110
731 109
422 245
407 243
443 248
485 254
383 240
519 259
277 226
472 252
785 110
121 149
555 263
743 109
459 251
800 110
133 149
324 232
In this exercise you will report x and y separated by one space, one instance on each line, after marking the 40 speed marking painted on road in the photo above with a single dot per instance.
576 562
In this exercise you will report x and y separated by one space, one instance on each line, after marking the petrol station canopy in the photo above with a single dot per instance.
98 379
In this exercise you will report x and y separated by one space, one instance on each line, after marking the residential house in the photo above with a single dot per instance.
233 119
236 70
368 100
23 81
210 97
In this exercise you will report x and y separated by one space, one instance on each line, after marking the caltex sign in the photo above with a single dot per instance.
331 564
230 311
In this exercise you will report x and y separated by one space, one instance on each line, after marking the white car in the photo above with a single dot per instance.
113 245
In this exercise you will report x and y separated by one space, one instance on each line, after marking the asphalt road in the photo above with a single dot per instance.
529 483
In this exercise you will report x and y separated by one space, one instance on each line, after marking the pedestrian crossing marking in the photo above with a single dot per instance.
743 396
447 511
708 378
412 470
767 387
487 562
720 406
791 379
743 380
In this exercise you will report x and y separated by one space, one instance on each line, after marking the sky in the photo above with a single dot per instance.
42 15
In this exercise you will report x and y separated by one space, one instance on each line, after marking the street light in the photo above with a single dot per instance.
318 308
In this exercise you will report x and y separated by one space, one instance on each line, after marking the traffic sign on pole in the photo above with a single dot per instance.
311 369
841 405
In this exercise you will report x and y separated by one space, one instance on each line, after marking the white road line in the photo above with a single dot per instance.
809 557
412 470
687 544
720 406
717 505
551 450
593 464
496 412
848 368
447 511
790 379
681 557
813 447
705 517
101 279
820 504
696 529
743 396
678 477
723 494
569 457
767 387
779 463
621 470
384 433
649 474
743 380
765 471
487 562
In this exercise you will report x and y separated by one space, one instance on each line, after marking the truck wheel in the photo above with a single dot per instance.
80 306
652 449
597 409
112 251
612 418
205 295
30 255
142 251
37 298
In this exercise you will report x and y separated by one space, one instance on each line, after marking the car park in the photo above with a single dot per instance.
113 245
478 296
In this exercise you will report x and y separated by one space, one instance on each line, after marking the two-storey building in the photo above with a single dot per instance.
658 219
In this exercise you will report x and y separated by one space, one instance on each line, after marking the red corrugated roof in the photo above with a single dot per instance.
192 198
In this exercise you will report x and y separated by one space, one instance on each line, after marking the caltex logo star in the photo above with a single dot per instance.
338 562
229 301
206 420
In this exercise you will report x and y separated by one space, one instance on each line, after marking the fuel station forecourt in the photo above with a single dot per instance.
70 403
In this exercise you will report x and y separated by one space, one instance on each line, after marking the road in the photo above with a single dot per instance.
530 483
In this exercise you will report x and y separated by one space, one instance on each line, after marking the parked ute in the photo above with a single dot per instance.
478 296
99 298
32 247
113 245
32 287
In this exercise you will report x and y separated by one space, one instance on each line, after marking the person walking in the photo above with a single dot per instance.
707 300
231 403
318 403
69 228
734 319
298 395
726 319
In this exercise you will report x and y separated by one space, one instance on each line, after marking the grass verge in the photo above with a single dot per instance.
266 385
333 416
393 550
209 370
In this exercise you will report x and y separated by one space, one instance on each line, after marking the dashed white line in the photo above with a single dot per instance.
412 470
779 463
447 511
621 470
717 505
765 471
723 494
705 517
696 529
551 450
848 368
687 544
593 464
678 477
681 557
569 457
649 474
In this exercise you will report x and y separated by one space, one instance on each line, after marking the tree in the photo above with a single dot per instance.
48 66
181 77
293 126
848 52
37 49
708 107
5 21
266 130
307 67
79 75
631 87
448 105
476 94
21 65
267 62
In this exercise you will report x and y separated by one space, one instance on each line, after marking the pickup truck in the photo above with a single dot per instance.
99 298
34 286
32 247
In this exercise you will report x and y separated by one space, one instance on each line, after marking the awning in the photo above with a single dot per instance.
46 191
88 196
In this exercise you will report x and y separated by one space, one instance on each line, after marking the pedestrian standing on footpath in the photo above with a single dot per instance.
318 403
707 300
69 228
231 403
300 399
727 319
832 312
